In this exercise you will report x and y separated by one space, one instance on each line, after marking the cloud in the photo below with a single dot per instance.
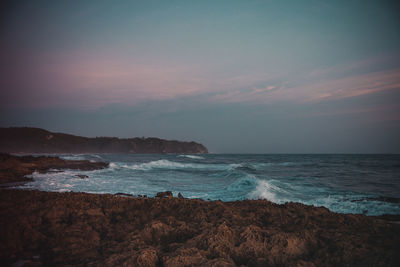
338 82
353 86
91 79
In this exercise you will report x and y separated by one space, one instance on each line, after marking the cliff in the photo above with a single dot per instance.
36 140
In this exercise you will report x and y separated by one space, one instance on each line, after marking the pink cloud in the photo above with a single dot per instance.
357 85
320 85
96 78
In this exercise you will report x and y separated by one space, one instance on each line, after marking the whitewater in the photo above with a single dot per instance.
368 184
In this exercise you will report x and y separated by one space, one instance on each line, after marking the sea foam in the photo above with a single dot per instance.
191 156
73 157
167 164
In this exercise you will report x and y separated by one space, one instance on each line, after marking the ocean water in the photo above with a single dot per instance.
368 184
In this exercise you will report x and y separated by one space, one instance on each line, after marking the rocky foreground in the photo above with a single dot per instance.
58 229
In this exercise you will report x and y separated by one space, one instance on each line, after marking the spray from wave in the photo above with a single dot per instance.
265 190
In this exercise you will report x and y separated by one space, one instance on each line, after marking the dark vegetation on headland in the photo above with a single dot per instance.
79 229
35 140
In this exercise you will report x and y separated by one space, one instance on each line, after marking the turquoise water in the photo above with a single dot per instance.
367 184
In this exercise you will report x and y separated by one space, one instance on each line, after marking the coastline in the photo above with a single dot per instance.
15 168
48 228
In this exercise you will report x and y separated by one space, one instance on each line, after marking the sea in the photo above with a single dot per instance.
359 184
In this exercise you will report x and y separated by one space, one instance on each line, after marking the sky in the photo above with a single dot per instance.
254 76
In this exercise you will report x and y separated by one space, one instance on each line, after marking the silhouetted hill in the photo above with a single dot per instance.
36 140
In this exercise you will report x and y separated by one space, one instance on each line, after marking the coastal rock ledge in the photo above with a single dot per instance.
35 140
79 229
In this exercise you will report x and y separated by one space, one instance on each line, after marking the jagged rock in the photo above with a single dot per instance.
166 194
147 257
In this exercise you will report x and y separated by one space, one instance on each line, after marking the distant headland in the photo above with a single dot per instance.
35 140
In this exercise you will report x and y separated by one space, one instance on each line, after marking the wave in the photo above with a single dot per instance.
113 165
173 165
167 164
164 164
157 164
191 156
246 167
244 182
73 157
265 190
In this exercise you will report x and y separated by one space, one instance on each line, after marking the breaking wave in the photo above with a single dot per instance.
191 156
265 190
172 165
73 157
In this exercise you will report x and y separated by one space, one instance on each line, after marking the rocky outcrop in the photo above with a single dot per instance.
79 229
34 140
166 194
14 168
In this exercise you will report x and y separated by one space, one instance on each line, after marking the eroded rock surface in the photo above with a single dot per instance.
79 229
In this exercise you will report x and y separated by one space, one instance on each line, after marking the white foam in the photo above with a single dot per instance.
64 190
264 190
234 166
73 157
112 165
190 156
157 164
167 164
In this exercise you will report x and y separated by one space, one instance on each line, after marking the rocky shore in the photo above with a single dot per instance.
79 229
15 168
57 229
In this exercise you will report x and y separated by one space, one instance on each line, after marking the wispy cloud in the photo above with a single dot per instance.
339 82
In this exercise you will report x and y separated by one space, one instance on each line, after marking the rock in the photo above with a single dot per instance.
166 194
82 176
180 195
123 195
147 257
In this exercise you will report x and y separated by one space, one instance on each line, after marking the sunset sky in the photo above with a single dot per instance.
238 76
